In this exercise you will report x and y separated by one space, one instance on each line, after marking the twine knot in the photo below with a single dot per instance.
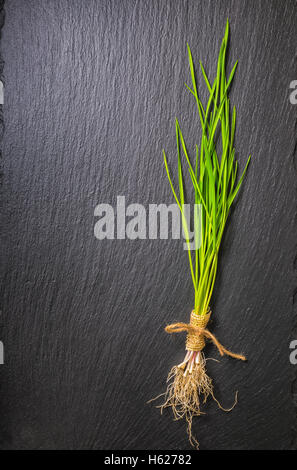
197 333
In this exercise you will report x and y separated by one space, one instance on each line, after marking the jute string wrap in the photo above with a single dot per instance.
197 333
196 342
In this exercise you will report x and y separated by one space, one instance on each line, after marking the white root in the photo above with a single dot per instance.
185 361
188 389
197 358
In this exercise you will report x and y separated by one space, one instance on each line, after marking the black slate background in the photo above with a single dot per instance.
91 92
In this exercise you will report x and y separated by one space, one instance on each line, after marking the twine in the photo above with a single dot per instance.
196 342
197 333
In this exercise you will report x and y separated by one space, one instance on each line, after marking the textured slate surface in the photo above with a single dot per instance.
91 93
